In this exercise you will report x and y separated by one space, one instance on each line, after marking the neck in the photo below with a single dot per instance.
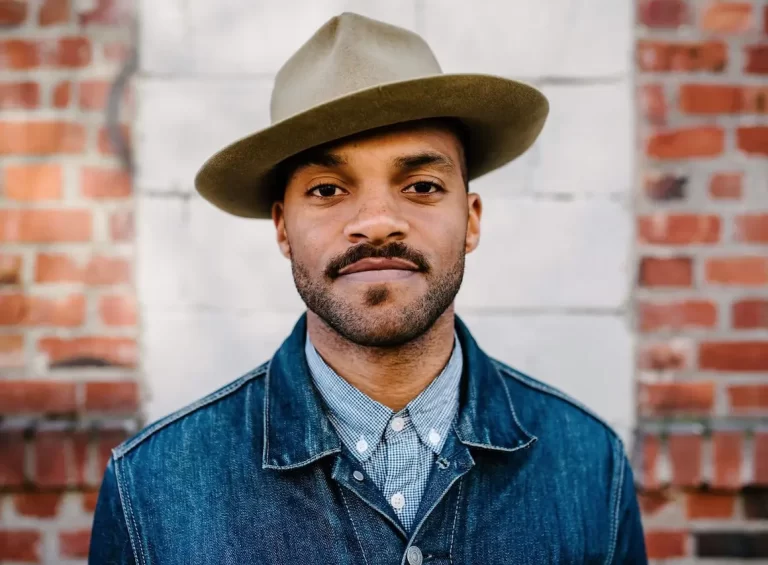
392 376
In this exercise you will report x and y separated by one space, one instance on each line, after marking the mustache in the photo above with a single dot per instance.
394 250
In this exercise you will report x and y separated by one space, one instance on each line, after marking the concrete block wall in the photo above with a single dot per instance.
701 304
548 289
69 361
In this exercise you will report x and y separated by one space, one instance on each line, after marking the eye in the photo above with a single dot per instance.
325 191
423 187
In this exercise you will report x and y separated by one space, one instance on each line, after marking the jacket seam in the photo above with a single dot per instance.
354 528
617 492
541 387
455 519
133 531
122 450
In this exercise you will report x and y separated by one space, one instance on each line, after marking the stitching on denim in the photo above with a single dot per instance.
265 439
455 519
123 449
617 494
354 528
532 383
531 437
303 463
132 532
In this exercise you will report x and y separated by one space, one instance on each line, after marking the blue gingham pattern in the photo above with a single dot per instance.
398 462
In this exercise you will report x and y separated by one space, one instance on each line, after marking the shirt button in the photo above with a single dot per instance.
362 445
358 476
398 501
397 424
434 437
414 555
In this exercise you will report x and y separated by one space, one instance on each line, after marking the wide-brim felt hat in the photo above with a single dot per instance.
357 74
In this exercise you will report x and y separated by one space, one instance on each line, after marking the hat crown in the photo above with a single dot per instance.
348 53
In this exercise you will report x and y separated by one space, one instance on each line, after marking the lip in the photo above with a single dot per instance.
378 264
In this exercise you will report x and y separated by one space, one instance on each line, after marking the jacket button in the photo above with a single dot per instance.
414 555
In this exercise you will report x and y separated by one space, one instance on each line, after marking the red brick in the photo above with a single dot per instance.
90 351
106 147
25 310
765 20
81 441
20 545
19 95
44 225
108 12
661 56
117 396
26 396
761 459
686 143
752 228
685 458
651 446
10 269
652 103
757 59
711 99
89 500
13 12
664 187
11 351
74 545
736 356
754 99
726 459
706 505
656 271
55 268
118 310
662 13
727 17
753 140
651 502
121 226
52 459
677 315
93 94
11 458
745 271
750 314
19 54
105 183
659 399
725 186
665 544
748 398
62 94
33 182
55 12
41 138
679 229
71 53
37 504
663 357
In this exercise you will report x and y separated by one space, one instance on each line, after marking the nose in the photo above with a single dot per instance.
378 221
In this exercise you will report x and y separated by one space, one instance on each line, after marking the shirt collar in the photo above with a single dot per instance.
362 421
298 432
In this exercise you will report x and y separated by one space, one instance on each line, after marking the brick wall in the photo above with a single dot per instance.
701 303
68 330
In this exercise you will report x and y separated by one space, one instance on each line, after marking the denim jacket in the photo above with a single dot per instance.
254 473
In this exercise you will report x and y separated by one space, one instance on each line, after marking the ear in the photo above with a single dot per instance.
475 206
278 217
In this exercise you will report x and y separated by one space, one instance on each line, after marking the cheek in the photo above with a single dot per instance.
309 244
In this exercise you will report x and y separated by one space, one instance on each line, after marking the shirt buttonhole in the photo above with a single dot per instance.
443 463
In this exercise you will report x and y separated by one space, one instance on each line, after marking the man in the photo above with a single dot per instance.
379 432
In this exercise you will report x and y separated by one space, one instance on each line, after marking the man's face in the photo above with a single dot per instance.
376 229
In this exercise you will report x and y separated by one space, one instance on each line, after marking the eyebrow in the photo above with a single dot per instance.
321 159
423 159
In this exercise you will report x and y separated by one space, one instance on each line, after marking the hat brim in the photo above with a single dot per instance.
504 117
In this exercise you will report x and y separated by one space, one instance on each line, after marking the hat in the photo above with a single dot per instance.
357 74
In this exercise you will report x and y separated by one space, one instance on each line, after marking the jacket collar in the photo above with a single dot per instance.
297 432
